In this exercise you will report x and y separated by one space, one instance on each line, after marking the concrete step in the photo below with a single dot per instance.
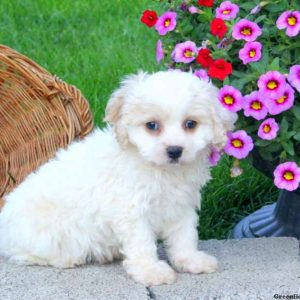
249 269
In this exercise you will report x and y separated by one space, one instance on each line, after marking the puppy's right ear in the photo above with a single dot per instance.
113 111
114 106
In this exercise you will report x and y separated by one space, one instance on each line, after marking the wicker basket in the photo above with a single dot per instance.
39 113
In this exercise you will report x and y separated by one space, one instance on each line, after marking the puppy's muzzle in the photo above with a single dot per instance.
174 152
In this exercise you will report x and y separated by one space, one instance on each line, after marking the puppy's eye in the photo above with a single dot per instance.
190 124
153 126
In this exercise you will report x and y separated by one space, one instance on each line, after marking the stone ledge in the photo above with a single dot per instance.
249 269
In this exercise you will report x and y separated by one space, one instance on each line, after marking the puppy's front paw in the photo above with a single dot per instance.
196 262
150 273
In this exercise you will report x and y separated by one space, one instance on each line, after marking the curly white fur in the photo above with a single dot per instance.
114 193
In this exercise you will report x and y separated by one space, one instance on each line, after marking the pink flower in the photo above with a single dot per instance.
193 9
287 176
185 52
254 106
159 51
268 129
271 84
214 156
250 52
246 30
289 20
283 102
202 74
166 22
294 77
239 144
231 98
227 11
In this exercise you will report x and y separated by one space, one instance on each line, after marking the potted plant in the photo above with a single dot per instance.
251 51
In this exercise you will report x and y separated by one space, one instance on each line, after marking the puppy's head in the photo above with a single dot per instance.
169 117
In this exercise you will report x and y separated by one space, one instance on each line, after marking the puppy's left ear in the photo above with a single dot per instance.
114 108
223 121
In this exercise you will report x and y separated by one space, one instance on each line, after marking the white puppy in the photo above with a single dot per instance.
114 193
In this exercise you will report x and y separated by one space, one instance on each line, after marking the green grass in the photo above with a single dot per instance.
92 44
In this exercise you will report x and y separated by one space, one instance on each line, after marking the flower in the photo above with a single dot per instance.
166 22
268 129
271 84
289 20
218 28
193 9
254 106
287 176
227 11
207 3
294 77
204 58
239 144
149 18
246 30
159 51
230 98
250 52
183 6
214 156
236 169
220 69
258 8
202 74
185 52
283 102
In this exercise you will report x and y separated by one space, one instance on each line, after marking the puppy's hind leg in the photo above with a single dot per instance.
36 234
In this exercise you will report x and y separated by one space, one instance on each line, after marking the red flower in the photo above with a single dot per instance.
207 3
218 28
204 58
149 18
220 69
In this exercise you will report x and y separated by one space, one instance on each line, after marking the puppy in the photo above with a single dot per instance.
113 194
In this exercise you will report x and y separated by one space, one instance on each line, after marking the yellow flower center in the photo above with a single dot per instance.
292 21
272 85
237 143
167 23
252 53
226 12
256 105
188 53
246 31
288 175
266 128
228 100
281 99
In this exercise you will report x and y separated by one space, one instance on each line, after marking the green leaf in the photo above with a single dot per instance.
259 67
296 112
284 126
247 5
274 66
289 147
274 147
279 7
262 143
227 81
260 18
297 136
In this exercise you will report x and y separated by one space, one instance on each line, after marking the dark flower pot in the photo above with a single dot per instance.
279 219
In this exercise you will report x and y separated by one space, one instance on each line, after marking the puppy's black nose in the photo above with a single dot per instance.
174 152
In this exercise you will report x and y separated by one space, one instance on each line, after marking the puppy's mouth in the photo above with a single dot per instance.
174 160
